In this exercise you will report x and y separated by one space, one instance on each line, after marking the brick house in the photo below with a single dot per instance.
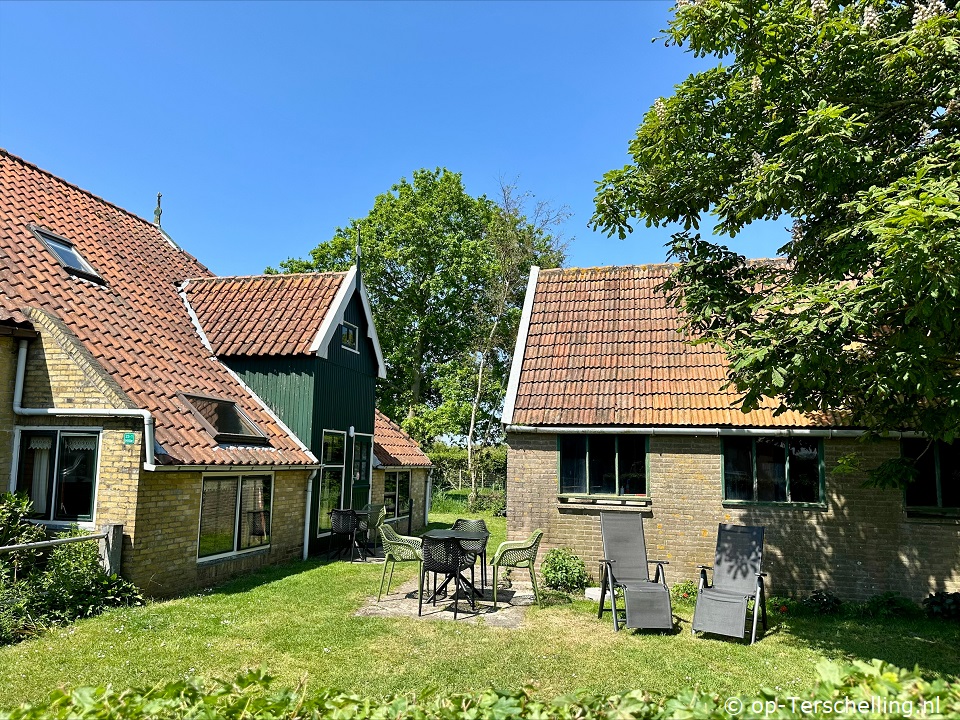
130 381
607 409
401 476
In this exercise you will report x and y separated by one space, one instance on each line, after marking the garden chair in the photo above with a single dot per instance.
448 557
397 548
722 607
370 519
518 554
347 522
625 567
477 546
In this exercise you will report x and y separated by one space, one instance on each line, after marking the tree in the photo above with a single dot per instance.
442 279
845 117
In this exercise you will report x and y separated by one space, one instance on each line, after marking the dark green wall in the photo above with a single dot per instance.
286 384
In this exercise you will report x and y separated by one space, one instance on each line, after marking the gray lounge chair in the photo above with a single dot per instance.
722 607
625 566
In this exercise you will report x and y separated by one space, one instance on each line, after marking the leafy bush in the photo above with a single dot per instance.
684 592
943 606
15 529
564 571
823 602
890 605
895 692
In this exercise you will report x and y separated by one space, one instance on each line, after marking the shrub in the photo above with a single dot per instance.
564 571
890 605
943 606
684 592
15 529
823 602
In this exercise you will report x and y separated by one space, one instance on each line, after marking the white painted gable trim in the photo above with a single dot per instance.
510 400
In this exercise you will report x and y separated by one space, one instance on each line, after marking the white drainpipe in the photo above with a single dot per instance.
148 426
306 514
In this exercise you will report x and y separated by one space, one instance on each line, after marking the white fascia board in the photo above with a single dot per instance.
510 398
182 291
334 315
372 333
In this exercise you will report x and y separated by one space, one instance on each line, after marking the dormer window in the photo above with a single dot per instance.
224 420
67 254
348 337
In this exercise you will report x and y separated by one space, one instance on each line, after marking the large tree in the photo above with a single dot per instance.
443 286
844 117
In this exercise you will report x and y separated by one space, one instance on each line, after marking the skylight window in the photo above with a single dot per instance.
224 420
67 254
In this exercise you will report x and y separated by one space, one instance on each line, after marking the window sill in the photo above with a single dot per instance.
227 557
607 502
772 504
932 517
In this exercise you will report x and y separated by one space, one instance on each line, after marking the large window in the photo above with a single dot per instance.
234 514
57 469
331 477
603 464
773 469
936 488
396 493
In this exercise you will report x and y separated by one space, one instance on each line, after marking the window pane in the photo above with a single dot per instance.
390 494
218 514
403 493
333 448
573 463
76 475
254 511
35 470
738 468
922 492
771 469
602 469
950 474
331 483
348 336
223 416
632 464
804 470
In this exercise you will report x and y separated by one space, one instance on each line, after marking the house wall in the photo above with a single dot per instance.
859 545
163 560
418 491
8 371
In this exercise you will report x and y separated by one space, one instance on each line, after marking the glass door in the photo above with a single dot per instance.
362 453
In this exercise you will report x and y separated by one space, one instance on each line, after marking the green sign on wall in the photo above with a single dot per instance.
128 438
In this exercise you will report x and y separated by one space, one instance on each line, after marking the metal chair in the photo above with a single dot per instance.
448 557
625 566
518 554
346 522
722 607
477 546
397 548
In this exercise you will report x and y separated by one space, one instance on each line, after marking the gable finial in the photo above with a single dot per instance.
357 253
158 212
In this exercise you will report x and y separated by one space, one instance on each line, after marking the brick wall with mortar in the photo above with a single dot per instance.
163 560
8 370
418 489
860 544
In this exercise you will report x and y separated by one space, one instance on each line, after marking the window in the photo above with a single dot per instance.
773 469
396 493
66 254
603 464
234 514
936 488
331 477
224 420
57 469
348 337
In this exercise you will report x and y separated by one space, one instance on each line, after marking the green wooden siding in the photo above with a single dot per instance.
343 397
366 361
286 385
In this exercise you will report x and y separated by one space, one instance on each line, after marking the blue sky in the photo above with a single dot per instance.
266 126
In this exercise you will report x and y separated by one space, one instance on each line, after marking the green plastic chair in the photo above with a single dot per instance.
397 548
518 554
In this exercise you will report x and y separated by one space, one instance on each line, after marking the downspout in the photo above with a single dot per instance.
18 409
306 513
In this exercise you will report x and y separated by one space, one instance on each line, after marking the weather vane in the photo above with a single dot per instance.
158 212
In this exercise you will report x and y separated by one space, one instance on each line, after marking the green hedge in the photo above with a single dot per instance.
880 690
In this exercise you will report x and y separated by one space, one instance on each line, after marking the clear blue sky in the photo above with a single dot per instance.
266 126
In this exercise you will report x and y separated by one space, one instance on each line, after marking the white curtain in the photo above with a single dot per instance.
41 472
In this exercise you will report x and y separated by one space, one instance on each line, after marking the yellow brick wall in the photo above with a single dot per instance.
418 491
859 545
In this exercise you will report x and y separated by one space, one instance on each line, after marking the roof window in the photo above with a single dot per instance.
224 420
67 254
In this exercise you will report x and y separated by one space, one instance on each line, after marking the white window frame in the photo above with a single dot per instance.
324 466
396 504
15 467
356 335
236 514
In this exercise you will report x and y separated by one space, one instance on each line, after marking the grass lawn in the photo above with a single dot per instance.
298 621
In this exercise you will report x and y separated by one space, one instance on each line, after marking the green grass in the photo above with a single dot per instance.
298 622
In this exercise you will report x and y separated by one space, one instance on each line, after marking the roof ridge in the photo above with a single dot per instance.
267 276
93 195
643 266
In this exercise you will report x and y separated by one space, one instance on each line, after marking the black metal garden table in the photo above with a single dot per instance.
467 535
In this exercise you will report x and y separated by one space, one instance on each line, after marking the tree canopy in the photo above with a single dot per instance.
446 274
844 117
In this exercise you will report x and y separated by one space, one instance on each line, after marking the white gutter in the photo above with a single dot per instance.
18 409
706 431
306 515
510 397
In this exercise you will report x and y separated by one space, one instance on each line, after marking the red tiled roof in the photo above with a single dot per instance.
603 349
263 315
136 325
393 447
